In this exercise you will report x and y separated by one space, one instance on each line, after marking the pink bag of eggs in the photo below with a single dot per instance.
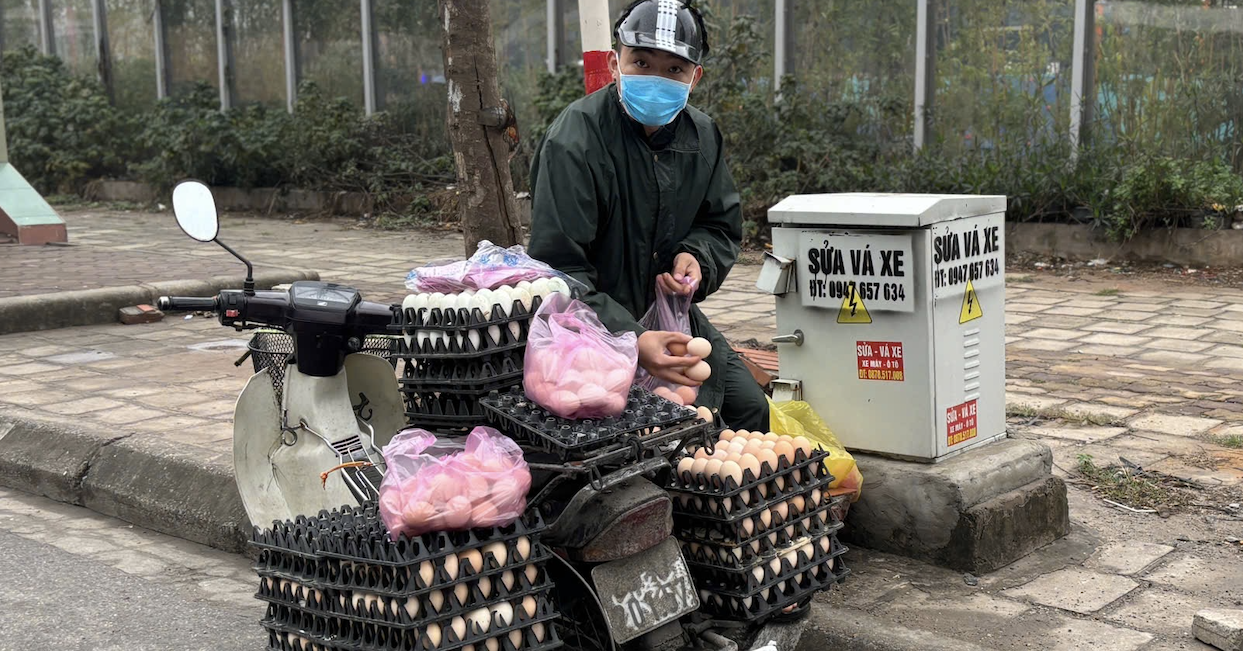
574 367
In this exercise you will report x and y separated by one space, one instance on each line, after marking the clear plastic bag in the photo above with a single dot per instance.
797 418
490 267
449 485
574 366
669 313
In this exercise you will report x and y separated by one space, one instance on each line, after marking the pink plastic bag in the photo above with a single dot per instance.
574 366
490 267
444 485
669 313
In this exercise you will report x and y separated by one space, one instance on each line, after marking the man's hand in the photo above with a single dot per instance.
654 356
685 276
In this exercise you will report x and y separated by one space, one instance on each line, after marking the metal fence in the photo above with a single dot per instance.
965 72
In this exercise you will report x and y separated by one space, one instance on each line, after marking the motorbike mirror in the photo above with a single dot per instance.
196 210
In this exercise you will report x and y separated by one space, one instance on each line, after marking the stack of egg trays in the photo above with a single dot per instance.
298 630
572 440
450 358
724 505
339 582
790 593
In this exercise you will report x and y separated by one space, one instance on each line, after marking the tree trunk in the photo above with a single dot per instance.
480 126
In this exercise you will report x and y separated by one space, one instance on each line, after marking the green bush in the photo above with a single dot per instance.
61 130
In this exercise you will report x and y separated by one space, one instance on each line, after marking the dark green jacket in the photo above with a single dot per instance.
613 208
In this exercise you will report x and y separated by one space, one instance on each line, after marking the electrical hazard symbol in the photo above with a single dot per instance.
971 309
853 310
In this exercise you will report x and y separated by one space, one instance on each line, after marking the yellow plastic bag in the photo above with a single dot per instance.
797 418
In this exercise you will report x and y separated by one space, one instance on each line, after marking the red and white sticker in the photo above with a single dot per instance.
880 360
960 423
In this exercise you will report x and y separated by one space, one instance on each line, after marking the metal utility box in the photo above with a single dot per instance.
891 319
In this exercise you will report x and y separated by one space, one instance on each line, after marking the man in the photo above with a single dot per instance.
631 189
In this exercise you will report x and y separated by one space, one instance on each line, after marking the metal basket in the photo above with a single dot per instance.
271 349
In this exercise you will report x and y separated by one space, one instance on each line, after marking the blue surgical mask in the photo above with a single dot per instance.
653 100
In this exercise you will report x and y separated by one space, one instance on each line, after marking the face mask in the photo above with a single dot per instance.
653 100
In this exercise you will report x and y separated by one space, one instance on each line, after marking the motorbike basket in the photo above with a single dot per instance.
271 349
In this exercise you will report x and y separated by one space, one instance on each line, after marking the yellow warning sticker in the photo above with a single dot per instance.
971 309
853 310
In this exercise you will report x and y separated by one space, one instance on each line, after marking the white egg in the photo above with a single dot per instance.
437 301
504 613
523 284
504 296
408 304
412 607
540 287
480 619
559 286
524 296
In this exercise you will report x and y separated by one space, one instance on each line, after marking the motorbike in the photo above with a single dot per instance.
620 579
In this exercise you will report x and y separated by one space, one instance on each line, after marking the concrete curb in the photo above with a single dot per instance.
143 480
94 306
831 628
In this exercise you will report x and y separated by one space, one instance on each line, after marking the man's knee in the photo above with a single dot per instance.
746 406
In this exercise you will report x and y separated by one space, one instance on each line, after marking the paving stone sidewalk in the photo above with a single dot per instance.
1148 372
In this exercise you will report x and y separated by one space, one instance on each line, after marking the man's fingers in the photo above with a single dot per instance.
674 362
670 375
669 284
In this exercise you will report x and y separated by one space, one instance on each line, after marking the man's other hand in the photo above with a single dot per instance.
654 356
684 278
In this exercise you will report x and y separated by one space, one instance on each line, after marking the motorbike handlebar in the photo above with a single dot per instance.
188 303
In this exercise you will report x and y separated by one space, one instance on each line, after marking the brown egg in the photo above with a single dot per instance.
684 469
727 435
712 469
472 559
804 444
768 457
784 450
797 504
752 463
732 470
766 519
767 445
433 635
782 510
753 447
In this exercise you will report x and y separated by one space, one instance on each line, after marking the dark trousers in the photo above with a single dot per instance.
745 405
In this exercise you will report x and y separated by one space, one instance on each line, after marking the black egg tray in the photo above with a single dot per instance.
756 608
734 509
744 583
351 635
450 347
810 522
440 410
358 533
392 611
482 375
514 414
320 550
729 555
805 466
387 580
460 320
